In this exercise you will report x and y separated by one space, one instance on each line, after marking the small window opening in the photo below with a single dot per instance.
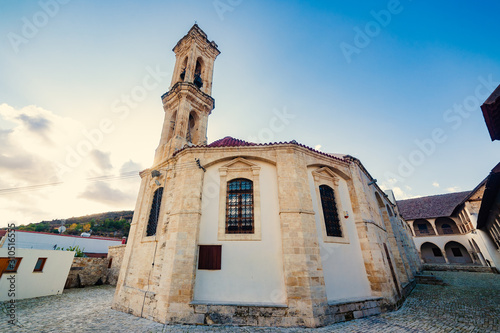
456 252
437 252
210 257
40 263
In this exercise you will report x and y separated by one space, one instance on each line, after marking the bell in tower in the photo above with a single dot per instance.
188 103
197 75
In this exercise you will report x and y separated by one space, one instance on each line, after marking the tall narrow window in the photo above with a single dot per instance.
330 213
154 214
239 207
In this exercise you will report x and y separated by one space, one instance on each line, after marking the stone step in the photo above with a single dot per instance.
430 279
459 268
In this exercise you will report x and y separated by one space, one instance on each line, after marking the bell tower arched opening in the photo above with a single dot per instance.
188 103
192 135
173 122
182 76
198 73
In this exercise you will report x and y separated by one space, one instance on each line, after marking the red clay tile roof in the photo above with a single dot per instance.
229 141
431 206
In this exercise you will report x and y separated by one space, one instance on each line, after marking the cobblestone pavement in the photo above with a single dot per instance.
470 304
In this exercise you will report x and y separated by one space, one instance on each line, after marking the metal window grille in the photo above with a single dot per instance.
154 214
239 207
330 213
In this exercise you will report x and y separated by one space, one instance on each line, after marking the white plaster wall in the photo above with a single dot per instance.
343 265
35 240
487 247
441 241
251 271
30 284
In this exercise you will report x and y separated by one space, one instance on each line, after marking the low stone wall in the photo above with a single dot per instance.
279 316
458 268
87 272
354 309
115 257
96 271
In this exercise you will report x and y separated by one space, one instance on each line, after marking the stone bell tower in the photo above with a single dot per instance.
188 103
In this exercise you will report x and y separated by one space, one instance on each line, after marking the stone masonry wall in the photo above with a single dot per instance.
157 278
115 259
87 272
282 316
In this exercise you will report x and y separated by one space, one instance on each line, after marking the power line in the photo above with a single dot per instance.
125 175
20 189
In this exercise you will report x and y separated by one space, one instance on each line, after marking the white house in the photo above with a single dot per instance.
33 273
92 246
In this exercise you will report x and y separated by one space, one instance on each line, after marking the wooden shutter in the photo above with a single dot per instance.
210 257
4 262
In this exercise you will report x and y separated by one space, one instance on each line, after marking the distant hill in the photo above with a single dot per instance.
109 224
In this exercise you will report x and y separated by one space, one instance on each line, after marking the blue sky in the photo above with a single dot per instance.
411 70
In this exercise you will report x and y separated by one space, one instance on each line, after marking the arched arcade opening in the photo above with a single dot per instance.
431 254
457 253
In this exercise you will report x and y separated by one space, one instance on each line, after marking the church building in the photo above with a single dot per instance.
239 233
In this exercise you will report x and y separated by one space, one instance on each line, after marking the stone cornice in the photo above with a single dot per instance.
279 146
187 89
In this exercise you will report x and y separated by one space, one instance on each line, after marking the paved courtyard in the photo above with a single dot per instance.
470 304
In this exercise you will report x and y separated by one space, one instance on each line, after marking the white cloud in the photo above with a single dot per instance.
101 159
399 193
103 193
403 195
317 147
435 184
130 166
392 181
31 151
453 189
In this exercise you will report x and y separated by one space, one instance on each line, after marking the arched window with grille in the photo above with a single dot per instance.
239 207
154 214
330 213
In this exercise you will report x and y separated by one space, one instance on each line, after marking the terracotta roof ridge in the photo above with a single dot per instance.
229 141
